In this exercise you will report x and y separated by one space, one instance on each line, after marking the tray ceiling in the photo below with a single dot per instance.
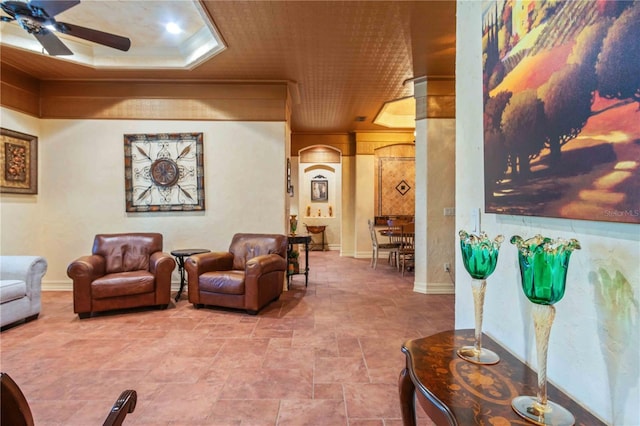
346 59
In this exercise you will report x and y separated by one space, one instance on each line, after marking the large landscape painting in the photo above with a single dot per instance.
562 109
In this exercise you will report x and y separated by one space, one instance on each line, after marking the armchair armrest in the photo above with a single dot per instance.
83 271
161 263
29 269
87 268
263 264
124 405
264 280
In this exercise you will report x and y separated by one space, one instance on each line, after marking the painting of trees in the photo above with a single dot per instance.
618 66
562 107
523 126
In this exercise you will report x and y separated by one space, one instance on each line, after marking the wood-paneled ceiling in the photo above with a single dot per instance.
345 58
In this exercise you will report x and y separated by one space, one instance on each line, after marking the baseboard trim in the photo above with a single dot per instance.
433 288
57 286
363 255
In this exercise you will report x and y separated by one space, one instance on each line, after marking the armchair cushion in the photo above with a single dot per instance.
127 252
249 276
225 282
122 284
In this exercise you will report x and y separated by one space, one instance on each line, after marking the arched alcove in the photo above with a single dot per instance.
319 197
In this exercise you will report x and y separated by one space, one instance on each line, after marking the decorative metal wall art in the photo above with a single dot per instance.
19 162
164 172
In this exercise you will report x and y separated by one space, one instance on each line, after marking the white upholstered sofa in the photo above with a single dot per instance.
20 284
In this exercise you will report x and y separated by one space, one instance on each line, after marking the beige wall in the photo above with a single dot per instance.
363 204
594 345
81 188
347 246
441 142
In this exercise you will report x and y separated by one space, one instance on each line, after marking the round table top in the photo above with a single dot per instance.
188 252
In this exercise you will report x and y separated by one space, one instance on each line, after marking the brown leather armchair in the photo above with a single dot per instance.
123 271
249 276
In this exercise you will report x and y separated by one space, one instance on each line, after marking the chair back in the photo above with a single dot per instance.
372 232
14 408
245 247
395 230
408 232
127 252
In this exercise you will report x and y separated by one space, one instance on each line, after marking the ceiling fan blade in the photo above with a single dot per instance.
100 37
54 7
51 43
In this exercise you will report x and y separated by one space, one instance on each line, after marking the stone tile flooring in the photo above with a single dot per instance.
328 354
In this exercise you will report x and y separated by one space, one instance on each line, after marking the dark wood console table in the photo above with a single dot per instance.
453 391
299 239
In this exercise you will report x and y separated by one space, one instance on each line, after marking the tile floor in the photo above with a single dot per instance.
328 354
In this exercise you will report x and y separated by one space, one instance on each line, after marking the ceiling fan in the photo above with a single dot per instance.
36 17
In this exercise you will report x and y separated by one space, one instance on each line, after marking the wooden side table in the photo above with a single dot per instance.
180 255
453 391
317 229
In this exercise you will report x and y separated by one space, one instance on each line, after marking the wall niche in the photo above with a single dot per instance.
320 193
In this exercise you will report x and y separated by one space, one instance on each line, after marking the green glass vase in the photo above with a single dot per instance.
480 257
293 224
543 271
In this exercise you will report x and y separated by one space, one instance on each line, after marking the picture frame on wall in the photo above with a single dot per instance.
164 172
19 159
289 184
319 190
560 110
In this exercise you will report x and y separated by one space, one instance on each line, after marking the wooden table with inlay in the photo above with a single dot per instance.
453 391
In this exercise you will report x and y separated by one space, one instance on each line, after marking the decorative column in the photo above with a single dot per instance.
421 263
435 185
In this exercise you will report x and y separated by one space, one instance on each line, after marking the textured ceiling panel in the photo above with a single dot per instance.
347 58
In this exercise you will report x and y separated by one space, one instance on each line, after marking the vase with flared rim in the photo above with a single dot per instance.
480 257
543 272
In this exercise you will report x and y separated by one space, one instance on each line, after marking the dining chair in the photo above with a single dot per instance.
394 232
390 247
406 251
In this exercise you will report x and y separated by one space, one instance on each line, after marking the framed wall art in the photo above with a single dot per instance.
289 184
319 189
19 159
561 109
164 172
